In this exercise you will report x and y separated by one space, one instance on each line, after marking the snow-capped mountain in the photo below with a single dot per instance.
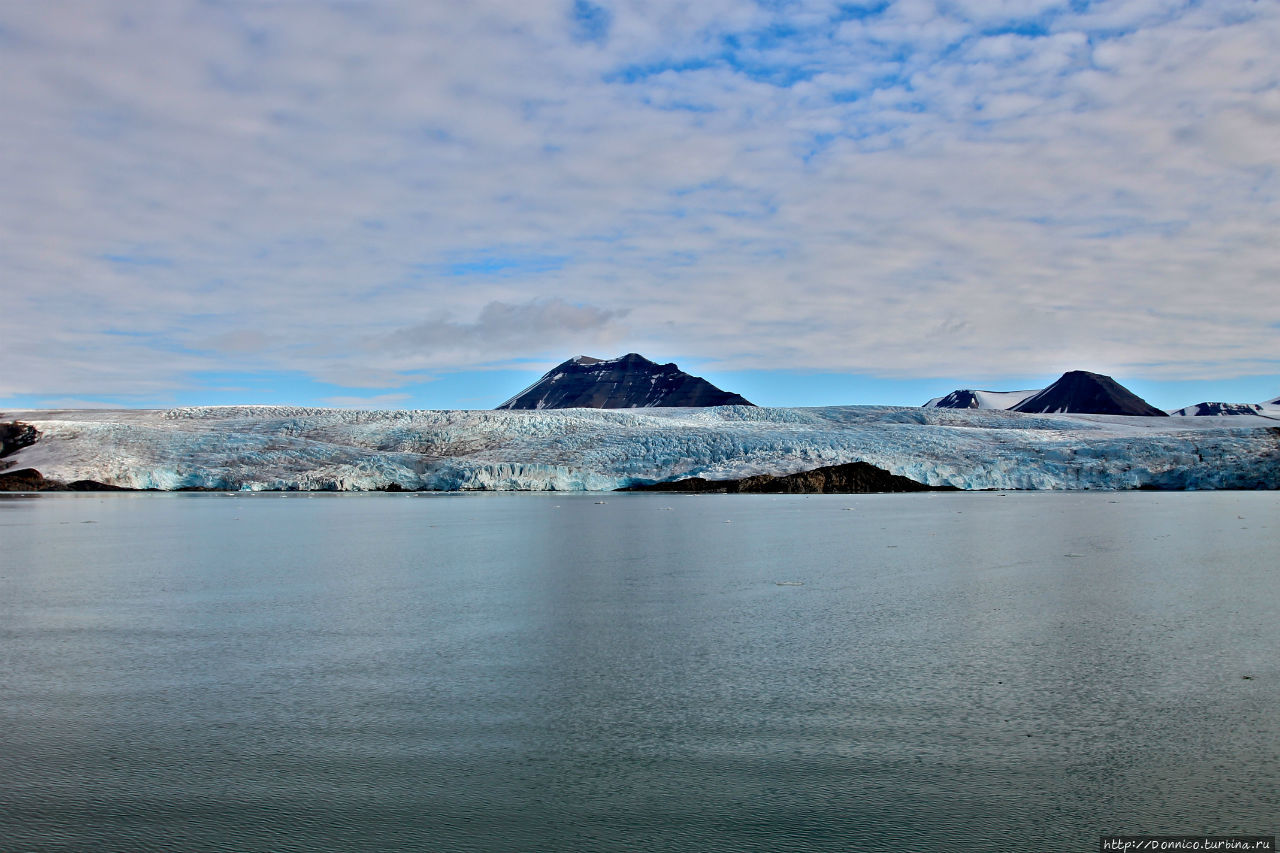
252 448
628 382
1081 392
971 399
1227 409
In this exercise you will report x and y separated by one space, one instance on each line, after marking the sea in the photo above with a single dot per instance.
636 672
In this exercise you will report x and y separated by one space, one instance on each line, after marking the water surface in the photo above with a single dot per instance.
655 672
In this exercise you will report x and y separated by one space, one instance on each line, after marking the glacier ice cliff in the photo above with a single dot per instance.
275 447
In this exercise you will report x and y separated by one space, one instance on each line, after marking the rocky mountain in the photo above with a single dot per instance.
1080 392
970 399
1076 392
1223 409
629 382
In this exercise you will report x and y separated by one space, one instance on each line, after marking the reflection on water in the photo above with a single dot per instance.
543 672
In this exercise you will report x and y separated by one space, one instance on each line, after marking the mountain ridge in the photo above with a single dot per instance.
1220 409
972 398
1076 392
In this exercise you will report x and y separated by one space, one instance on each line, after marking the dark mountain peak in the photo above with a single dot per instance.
963 398
630 381
1083 393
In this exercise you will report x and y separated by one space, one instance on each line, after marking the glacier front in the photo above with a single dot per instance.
274 447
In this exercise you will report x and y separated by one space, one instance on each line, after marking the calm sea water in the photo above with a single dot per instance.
657 672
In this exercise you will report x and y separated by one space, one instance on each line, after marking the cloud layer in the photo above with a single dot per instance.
369 192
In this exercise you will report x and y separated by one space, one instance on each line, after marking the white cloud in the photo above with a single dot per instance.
192 187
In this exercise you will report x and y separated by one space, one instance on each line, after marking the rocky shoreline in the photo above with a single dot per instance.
849 479
31 480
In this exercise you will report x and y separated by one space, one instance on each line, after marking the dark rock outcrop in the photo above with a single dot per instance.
1082 393
629 382
14 436
88 486
31 480
850 478
23 480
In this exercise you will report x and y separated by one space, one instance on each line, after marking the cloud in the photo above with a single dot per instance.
366 191
504 331
237 341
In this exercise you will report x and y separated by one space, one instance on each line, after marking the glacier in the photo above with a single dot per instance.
255 448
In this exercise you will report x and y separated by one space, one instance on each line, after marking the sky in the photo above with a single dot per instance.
426 204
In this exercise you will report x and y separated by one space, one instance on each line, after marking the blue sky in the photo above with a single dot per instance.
426 204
